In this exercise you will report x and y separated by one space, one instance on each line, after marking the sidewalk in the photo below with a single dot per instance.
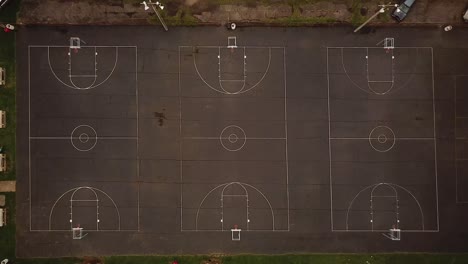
194 12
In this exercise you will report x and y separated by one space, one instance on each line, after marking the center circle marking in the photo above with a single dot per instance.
382 138
233 138
83 138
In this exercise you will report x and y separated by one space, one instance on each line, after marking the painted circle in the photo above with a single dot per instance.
233 138
83 138
382 138
384 91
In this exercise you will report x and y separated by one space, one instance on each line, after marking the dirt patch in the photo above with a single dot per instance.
7 186
207 11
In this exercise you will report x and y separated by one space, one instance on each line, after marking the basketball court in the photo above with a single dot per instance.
202 141
83 137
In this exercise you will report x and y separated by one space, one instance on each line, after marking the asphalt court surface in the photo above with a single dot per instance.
307 140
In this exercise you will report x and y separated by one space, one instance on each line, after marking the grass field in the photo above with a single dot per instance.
7 103
262 259
8 92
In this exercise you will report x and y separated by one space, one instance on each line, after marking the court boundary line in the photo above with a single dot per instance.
116 138
456 117
434 138
286 140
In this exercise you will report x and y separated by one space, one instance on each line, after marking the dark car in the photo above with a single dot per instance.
3 3
402 10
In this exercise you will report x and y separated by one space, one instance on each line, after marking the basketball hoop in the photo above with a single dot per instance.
232 42
77 232
388 44
235 233
393 234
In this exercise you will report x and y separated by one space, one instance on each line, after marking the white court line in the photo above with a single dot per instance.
247 47
225 185
396 206
246 195
286 129
90 230
250 230
137 136
378 48
68 138
73 86
338 138
368 77
71 208
100 138
63 46
242 91
218 138
369 90
389 184
329 144
180 151
435 136
457 200
384 230
95 76
29 134
367 138
83 75
78 188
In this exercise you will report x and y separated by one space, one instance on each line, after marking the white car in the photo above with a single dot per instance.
465 15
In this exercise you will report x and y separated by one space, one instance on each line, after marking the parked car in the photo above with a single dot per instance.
3 3
465 15
402 10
